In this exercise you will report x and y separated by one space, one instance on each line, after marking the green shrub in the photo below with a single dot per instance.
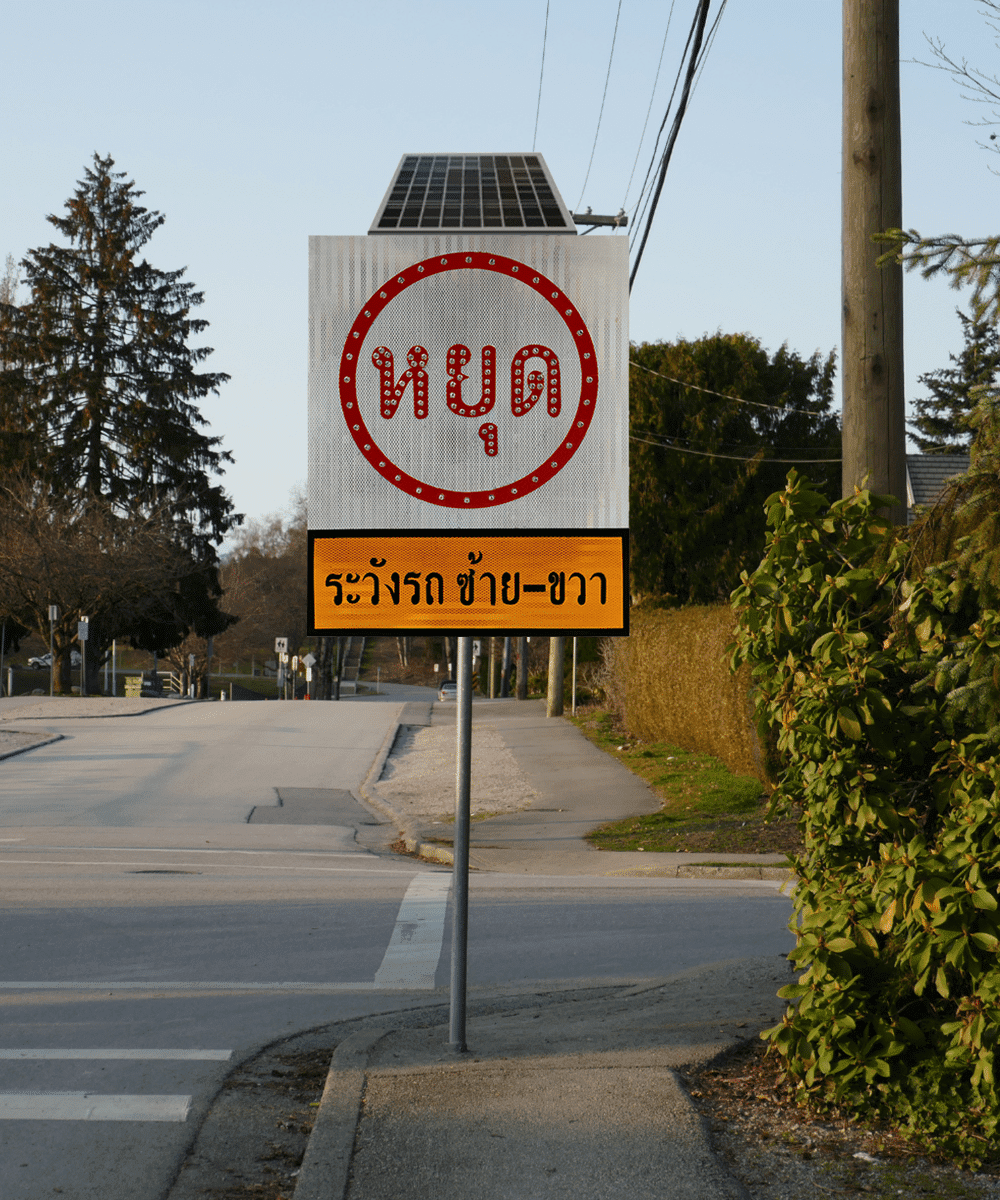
879 680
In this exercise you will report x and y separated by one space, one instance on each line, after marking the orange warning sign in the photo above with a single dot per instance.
369 582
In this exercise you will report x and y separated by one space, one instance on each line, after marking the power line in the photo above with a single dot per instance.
701 17
710 41
652 97
659 132
808 412
600 115
732 457
541 75
752 447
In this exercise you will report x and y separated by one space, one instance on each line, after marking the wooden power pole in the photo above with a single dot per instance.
874 432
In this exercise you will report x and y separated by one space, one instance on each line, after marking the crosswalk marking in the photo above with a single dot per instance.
91 1106
120 1055
411 958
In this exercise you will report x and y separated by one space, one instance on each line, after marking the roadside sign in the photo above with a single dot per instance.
281 645
309 660
468 446
83 629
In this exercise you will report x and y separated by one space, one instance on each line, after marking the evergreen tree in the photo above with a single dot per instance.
706 417
105 370
99 389
941 425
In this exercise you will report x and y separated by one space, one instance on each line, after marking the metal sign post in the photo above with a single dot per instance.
83 633
53 617
460 885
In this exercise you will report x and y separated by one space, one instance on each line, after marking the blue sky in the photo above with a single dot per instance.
252 126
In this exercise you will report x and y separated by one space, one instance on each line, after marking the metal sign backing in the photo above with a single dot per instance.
468 433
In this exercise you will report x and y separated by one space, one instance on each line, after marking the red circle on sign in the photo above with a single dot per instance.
553 463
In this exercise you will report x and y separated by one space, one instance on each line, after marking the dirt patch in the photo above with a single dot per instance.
782 1151
419 775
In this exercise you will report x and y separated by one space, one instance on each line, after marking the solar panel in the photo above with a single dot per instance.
472 193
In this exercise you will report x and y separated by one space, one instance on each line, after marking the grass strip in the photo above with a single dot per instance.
705 806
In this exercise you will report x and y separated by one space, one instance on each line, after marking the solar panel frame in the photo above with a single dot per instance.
509 192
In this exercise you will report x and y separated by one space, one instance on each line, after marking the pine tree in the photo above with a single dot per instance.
941 425
107 372
99 389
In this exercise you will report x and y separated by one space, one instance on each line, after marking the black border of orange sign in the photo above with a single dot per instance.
476 260
620 617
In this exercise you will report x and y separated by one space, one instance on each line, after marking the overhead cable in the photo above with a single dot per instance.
701 17
809 412
636 213
732 457
604 95
709 42
652 97
541 76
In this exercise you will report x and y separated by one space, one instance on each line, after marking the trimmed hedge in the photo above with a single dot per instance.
679 687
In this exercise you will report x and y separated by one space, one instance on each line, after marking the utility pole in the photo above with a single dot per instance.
874 431
522 668
557 654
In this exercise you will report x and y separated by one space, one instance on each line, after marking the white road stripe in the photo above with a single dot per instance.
138 1055
411 958
155 985
88 1106
79 862
182 850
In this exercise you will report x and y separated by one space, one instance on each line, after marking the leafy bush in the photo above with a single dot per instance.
877 673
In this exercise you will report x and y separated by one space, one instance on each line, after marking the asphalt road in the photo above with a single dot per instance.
153 938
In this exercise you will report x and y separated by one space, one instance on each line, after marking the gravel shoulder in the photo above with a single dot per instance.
419 775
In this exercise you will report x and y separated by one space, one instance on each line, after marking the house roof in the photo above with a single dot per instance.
927 474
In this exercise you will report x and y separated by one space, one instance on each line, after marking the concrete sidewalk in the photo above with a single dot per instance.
574 1098
579 788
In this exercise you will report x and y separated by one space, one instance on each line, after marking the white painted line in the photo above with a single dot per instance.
411 958
88 1106
184 850
160 865
137 1055
134 985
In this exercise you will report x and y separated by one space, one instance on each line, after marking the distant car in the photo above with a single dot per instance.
448 690
44 661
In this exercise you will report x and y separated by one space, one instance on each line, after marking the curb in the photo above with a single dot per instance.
696 871
142 712
44 741
327 1163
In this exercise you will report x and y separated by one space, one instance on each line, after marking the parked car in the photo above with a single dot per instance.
45 661
448 690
